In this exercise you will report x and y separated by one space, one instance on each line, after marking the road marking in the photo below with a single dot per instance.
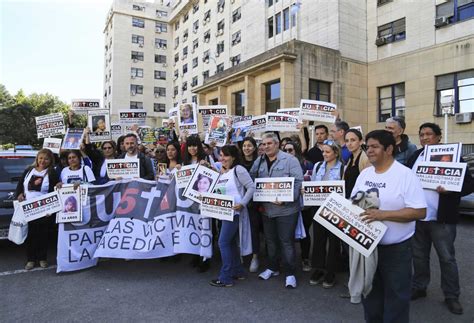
22 271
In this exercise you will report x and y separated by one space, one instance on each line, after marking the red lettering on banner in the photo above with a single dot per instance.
128 201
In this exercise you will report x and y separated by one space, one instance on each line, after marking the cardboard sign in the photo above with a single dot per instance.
187 121
443 153
318 111
316 192
122 168
434 174
184 175
219 127
203 181
73 138
81 106
295 112
274 189
217 206
98 122
50 125
281 122
342 218
241 126
115 131
130 118
40 206
207 111
259 124
71 205
53 144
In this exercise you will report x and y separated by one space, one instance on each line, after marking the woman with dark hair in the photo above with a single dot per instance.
202 184
108 150
234 181
358 160
76 173
249 152
120 147
38 179
70 205
173 155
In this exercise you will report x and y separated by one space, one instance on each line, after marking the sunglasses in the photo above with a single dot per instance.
289 150
106 148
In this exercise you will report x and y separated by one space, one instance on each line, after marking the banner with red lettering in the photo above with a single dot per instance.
274 189
315 192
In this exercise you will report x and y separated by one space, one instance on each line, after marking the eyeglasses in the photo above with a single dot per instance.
106 148
289 150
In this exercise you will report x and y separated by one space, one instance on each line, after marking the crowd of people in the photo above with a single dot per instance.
379 164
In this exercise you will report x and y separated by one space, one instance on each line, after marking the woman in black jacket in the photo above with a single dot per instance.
38 179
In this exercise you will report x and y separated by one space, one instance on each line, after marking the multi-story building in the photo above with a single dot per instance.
374 59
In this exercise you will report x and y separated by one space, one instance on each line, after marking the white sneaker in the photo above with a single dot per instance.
254 265
290 282
268 273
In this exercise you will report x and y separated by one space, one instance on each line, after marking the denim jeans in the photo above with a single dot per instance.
279 236
325 260
442 236
389 300
229 247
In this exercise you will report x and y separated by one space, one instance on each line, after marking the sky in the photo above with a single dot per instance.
53 46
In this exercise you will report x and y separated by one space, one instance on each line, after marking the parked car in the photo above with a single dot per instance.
12 165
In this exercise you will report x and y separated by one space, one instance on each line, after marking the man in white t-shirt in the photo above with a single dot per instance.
402 202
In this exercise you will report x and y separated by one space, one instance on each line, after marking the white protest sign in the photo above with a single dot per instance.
50 125
258 124
434 174
115 131
207 111
274 189
122 168
217 206
187 121
184 175
316 192
342 218
317 111
40 206
98 122
203 181
295 112
173 112
281 122
53 144
241 126
84 191
219 126
130 118
443 153
71 205
81 106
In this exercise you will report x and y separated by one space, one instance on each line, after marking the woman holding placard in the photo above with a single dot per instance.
108 150
76 173
331 169
234 181
38 179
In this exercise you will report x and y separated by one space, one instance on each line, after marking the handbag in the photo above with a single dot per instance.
18 230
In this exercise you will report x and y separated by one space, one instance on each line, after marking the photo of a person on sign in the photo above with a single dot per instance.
98 125
70 205
202 184
186 114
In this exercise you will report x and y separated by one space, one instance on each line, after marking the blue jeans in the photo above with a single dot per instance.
229 247
389 300
280 235
442 236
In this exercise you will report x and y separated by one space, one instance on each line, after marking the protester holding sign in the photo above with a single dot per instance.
173 155
401 203
76 172
98 157
234 181
279 218
131 153
437 228
331 169
37 180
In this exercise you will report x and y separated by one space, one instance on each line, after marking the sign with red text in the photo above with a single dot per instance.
217 206
318 111
40 206
259 124
184 175
131 118
81 106
342 218
207 111
274 189
434 174
50 125
316 192
123 168
281 122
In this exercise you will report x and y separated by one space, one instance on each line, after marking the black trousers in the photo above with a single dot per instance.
322 259
307 215
37 240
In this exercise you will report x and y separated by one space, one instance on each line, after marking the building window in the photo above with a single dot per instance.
220 48
205 75
195 62
214 101
220 68
159 91
184 87
138 8
136 72
136 89
236 38
137 56
160 59
286 19
160 75
235 60
277 23
236 15
239 103
185 68
205 57
185 17
272 96
294 10
220 26
137 22
161 13
456 89
159 107
161 43
319 90
185 35
161 27
176 57
194 82
176 25
270 3
270 27
185 52
391 32
176 73
207 17
220 5
207 36
195 26
195 7
175 90
391 101
195 44
194 99
137 39
136 105
454 11
381 2
176 42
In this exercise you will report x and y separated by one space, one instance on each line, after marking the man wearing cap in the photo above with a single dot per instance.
404 148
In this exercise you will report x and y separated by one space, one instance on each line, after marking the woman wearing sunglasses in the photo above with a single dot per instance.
108 150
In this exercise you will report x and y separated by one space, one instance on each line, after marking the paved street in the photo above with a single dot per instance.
155 290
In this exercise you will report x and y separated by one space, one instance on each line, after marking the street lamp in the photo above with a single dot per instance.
447 108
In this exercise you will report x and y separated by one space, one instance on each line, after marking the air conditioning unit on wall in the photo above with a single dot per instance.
465 117
441 21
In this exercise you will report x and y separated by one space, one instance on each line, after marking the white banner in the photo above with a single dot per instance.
443 153
316 192
434 174
115 131
342 218
123 168
184 175
50 125
41 206
217 206
53 144
203 181
281 122
98 122
71 205
258 124
273 189
318 111
81 106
